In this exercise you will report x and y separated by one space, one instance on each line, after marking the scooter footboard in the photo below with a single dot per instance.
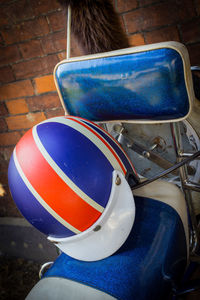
151 261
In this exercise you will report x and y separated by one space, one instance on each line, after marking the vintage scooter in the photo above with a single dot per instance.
143 97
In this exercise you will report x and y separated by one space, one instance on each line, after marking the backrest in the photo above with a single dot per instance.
146 84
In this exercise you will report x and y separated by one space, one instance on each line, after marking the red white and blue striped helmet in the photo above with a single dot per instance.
67 177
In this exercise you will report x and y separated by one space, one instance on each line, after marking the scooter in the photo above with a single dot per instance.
143 97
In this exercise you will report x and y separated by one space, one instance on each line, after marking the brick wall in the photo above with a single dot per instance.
32 42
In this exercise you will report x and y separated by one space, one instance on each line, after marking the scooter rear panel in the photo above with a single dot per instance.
145 267
145 84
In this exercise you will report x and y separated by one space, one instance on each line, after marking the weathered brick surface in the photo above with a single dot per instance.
54 42
3 18
45 84
17 11
16 89
33 40
35 67
123 6
190 31
24 121
6 74
31 49
43 6
146 2
162 35
26 30
159 15
57 20
3 109
18 106
9 54
9 138
197 2
43 102
136 40
3 125
55 112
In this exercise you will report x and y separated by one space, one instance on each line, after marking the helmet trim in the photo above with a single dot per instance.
110 231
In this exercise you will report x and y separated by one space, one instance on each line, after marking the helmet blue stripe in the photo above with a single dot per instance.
26 202
113 144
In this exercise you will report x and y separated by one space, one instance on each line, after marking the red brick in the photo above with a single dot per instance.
9 54
191 31
197 3
6 75
35 67
26 30
54 42
147 2
18 11
9 138
194 51
43 102
55 112
3 18
45 84
3 109
31 49
162 35
3 1
16 90
18 106
43 6
25 121
3 125
57 20
136 40
159 15
123 6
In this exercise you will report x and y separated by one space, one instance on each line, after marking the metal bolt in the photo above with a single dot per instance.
118 180
97 228
146 154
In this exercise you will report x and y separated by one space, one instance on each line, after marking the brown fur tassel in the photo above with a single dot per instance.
96 26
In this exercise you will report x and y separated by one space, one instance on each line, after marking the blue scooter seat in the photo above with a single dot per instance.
143 84
147 266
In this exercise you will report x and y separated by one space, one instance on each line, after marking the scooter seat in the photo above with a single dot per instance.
150 83
147 266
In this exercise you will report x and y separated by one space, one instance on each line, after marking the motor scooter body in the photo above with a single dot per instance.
144 85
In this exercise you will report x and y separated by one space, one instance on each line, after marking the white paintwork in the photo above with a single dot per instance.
55 288
170 194
116 223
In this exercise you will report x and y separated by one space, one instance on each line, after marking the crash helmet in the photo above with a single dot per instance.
70 179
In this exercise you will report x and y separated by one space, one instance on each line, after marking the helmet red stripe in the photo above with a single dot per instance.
52 189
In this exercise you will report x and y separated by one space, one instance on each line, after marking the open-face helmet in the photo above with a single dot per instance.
69 178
